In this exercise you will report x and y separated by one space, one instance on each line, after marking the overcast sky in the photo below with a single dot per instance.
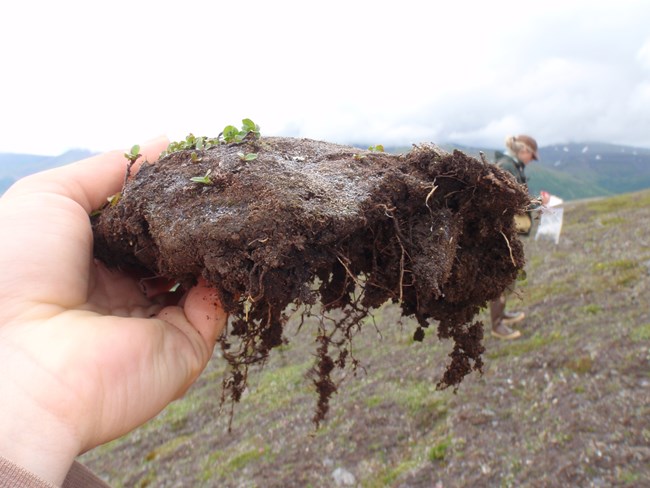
83 74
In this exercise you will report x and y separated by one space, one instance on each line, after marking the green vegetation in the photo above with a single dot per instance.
390 475
613 221
559 183
247 157
276 388
620 202
439 450
230 134
168 447
620 264
205 179
133 154
147 480
219 464
178 413
624 271
628 478
525 346
191 142
548 289
113 199
641 333
420 397
581 364
592 309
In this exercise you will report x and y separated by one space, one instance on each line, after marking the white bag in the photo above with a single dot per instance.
550 223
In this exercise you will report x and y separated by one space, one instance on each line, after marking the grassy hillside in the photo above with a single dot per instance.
615 168
565 405
579 170
562 184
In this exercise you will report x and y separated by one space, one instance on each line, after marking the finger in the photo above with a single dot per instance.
90 181
200 321
204 311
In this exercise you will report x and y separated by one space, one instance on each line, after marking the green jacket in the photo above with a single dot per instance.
517 169
513 166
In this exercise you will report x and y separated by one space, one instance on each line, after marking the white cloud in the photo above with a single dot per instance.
108 75
643 55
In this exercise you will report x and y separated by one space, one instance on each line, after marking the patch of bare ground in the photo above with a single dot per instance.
566 405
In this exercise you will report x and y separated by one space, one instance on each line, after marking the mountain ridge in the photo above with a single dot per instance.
573 170
14 166
577 170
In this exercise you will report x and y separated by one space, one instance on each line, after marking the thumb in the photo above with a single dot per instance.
87 182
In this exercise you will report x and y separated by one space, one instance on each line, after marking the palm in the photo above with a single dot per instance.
88 349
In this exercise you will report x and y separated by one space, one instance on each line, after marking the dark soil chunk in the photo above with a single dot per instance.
312 223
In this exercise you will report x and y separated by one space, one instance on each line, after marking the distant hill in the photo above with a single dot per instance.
578 170
15 166
572 171
615 169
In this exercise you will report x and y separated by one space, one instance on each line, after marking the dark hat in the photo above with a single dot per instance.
530 142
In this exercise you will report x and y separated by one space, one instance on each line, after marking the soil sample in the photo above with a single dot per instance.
335 230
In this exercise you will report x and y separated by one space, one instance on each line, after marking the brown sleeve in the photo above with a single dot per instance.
81 477
14 476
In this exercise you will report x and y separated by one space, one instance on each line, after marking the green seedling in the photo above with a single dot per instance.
133 154
247 157
205 179
113 199
377 148
191 142
249 129
359 157
230 134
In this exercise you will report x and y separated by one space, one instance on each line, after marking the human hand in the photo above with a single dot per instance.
85 356
546 197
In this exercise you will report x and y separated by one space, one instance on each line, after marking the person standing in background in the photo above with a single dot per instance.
520 151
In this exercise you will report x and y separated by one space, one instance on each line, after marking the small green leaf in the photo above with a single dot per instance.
114 199
247 157
229 133
248 125
135 151
205 179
